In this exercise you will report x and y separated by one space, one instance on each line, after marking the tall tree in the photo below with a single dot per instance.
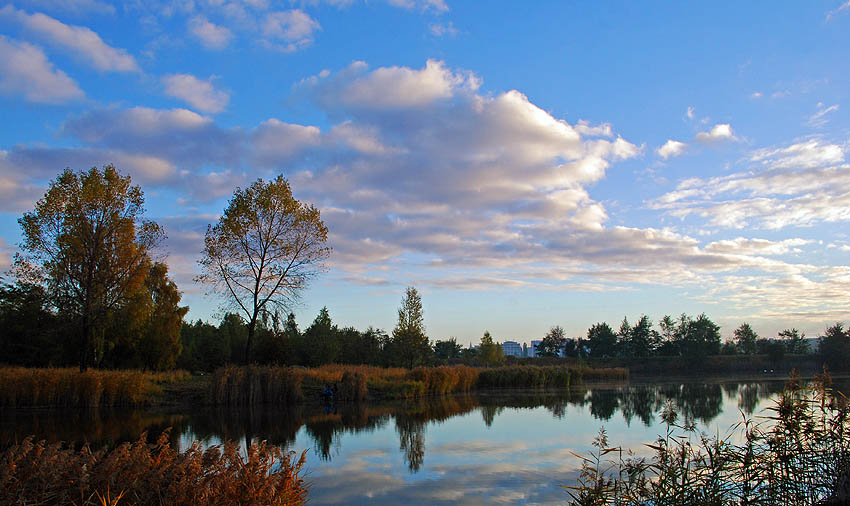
795 342
410 346
263 251
835 347
602 340
490 352
641 337
89 244
552 342
745 338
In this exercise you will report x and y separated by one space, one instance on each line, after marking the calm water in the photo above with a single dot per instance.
487 448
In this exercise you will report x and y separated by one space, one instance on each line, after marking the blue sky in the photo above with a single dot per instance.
524 164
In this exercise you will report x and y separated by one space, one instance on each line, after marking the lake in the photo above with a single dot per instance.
486 448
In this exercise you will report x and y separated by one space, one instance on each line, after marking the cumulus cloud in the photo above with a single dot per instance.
435 5
26 71
671 149
442 29
212 36
389 87
85 44
200 94
288 30
718 133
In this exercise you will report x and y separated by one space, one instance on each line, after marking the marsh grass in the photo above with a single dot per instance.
252 385
67 387
36 473
798 454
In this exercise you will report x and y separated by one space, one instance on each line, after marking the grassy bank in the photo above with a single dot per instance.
143 474
800 455
284 385
68 387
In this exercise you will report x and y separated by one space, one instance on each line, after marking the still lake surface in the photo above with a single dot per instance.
487 448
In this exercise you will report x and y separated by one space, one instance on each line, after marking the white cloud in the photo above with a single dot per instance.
26 71
842 7
198 93
807 154
436 5
211 35
756 94
718 133
819 118
391 87
799 185
671 149
753 246
690 112
76 7
288 30
442 29
83 42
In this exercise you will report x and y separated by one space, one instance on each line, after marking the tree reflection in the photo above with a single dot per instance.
411 435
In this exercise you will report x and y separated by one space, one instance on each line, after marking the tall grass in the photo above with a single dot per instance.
800 455
36 473
67 387
254 385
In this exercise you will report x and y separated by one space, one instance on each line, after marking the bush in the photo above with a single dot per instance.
147 474
800 457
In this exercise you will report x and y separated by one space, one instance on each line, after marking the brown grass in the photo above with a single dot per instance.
67 387
150 474
254 385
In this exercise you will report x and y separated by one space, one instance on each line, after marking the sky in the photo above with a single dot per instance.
523 164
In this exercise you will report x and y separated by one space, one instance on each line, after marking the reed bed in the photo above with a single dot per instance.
254 385
36 473
798 456
67 387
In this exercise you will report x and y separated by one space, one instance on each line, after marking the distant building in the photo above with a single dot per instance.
532 350
512 348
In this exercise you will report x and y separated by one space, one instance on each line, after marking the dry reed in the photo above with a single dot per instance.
36 473
67 387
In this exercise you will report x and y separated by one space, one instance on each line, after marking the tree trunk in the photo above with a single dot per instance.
251 326
85 345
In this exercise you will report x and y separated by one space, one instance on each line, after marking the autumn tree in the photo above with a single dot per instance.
263 251
409 345
88 244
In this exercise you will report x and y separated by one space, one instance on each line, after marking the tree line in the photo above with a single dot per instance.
89 289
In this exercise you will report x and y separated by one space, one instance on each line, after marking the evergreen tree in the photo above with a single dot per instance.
410 346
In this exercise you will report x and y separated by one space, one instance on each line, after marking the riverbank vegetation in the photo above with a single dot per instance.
67 387
140 473
798 455
253 385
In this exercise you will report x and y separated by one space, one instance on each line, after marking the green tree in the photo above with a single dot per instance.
490 352
447 349
552 342
410 346
88 244
835 347
31 332
624 339
745 338
320 340
795 342
698 338
668 344
641 338
602 340
264 249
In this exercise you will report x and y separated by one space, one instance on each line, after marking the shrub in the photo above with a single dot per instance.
150 474
67 387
